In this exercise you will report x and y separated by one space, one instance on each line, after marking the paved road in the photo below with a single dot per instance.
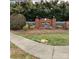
39 50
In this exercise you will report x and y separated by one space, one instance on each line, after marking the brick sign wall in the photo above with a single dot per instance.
50 22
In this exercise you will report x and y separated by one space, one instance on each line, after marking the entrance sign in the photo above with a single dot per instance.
45 23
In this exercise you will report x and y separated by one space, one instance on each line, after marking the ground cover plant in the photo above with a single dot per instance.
53 37
17 53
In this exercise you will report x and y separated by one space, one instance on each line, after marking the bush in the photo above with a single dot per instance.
59 27
32 26
25 27
17 21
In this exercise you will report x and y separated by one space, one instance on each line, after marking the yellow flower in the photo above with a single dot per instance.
44 41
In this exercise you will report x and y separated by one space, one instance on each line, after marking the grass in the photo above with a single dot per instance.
53 39
17 53
58 38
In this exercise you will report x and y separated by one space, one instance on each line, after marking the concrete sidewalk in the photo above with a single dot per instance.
40 50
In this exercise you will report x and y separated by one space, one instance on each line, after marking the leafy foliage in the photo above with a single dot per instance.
42 9
17 21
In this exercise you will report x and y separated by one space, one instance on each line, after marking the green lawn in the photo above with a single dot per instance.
53 39
58 38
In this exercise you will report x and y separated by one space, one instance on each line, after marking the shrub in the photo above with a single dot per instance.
32 26
17 21
25 27
59 27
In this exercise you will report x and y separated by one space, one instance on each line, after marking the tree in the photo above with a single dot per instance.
17 8
43 9
64 9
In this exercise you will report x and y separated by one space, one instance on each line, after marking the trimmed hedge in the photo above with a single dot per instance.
17 21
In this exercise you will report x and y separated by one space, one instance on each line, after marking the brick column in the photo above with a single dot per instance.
37 23
53 22
66 25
